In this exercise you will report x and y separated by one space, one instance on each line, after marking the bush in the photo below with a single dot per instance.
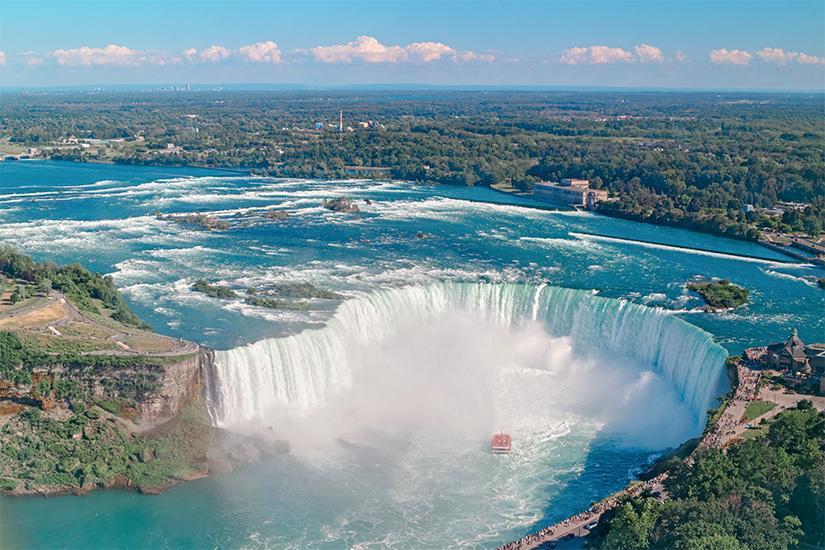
109 405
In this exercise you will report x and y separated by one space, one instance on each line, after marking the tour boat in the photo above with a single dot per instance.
501 443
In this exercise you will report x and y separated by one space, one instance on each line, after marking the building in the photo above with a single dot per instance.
575 192
794 355
787 355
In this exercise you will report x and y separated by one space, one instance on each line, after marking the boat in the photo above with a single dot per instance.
501 443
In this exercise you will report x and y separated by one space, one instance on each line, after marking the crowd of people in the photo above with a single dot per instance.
573 524
725 427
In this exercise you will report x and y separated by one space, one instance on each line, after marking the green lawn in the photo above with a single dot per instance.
757 409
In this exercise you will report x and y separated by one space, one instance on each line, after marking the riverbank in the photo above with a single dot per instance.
91 398
728 425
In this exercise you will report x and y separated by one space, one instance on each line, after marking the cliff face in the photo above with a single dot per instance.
147 390
180 383
117 421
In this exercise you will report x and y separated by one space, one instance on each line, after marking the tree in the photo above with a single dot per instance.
44 286
630 527
17 294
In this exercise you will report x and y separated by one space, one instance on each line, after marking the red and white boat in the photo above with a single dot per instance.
501 444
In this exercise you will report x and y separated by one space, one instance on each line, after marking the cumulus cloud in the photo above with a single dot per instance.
595 55
781 57
213 54
469 56
2 57
31 59
428 51
723 56
368 49
680 56
261 52
806 59
649 54
112 55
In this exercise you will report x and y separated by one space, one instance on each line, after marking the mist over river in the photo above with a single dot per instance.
461 318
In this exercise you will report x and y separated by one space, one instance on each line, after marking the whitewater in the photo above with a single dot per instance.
303 370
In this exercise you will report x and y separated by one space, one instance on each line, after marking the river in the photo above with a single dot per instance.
461 318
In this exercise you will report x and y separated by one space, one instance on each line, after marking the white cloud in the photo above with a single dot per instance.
806 59
595 55
368 49
428 51
781 57
470 56
649 54
191 54
723 56
261 52
2 58
680 56
364 48
112 55
574 56
86 56
32 59
213 54
773 55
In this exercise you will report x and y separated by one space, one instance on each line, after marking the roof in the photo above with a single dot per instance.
501 441
793 346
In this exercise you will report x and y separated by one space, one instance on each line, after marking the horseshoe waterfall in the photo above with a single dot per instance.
304 370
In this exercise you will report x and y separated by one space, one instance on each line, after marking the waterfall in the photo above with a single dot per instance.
302 370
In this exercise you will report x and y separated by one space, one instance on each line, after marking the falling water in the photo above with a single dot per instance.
302 371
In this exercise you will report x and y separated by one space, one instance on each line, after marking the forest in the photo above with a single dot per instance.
695 160
767 492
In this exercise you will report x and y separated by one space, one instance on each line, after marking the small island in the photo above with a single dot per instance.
721 294
214 291
292 296
341 204
205 221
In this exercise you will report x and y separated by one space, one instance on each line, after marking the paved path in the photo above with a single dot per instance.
71 313
12 311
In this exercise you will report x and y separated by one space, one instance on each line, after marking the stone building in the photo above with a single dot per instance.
574 192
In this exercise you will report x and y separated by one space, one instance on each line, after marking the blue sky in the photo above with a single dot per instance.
678 43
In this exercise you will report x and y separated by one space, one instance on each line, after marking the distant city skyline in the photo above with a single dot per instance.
642 44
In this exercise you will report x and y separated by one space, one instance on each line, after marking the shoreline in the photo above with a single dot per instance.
649 479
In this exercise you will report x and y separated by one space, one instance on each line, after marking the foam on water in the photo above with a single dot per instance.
303 370
402 388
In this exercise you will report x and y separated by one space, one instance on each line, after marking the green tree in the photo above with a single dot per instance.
630 527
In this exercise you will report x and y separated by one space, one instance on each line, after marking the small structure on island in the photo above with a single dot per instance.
501 443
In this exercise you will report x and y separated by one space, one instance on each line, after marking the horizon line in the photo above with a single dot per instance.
406 86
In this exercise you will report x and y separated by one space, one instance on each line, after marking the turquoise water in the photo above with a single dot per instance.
555 392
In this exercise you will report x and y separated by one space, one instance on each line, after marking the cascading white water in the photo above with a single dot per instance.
302 371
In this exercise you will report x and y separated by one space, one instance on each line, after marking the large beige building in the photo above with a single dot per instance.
574 192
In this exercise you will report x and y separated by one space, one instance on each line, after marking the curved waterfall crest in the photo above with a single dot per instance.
302 370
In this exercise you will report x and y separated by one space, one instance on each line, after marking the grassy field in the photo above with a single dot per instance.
757 409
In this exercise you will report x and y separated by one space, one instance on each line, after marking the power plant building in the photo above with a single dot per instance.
575 192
